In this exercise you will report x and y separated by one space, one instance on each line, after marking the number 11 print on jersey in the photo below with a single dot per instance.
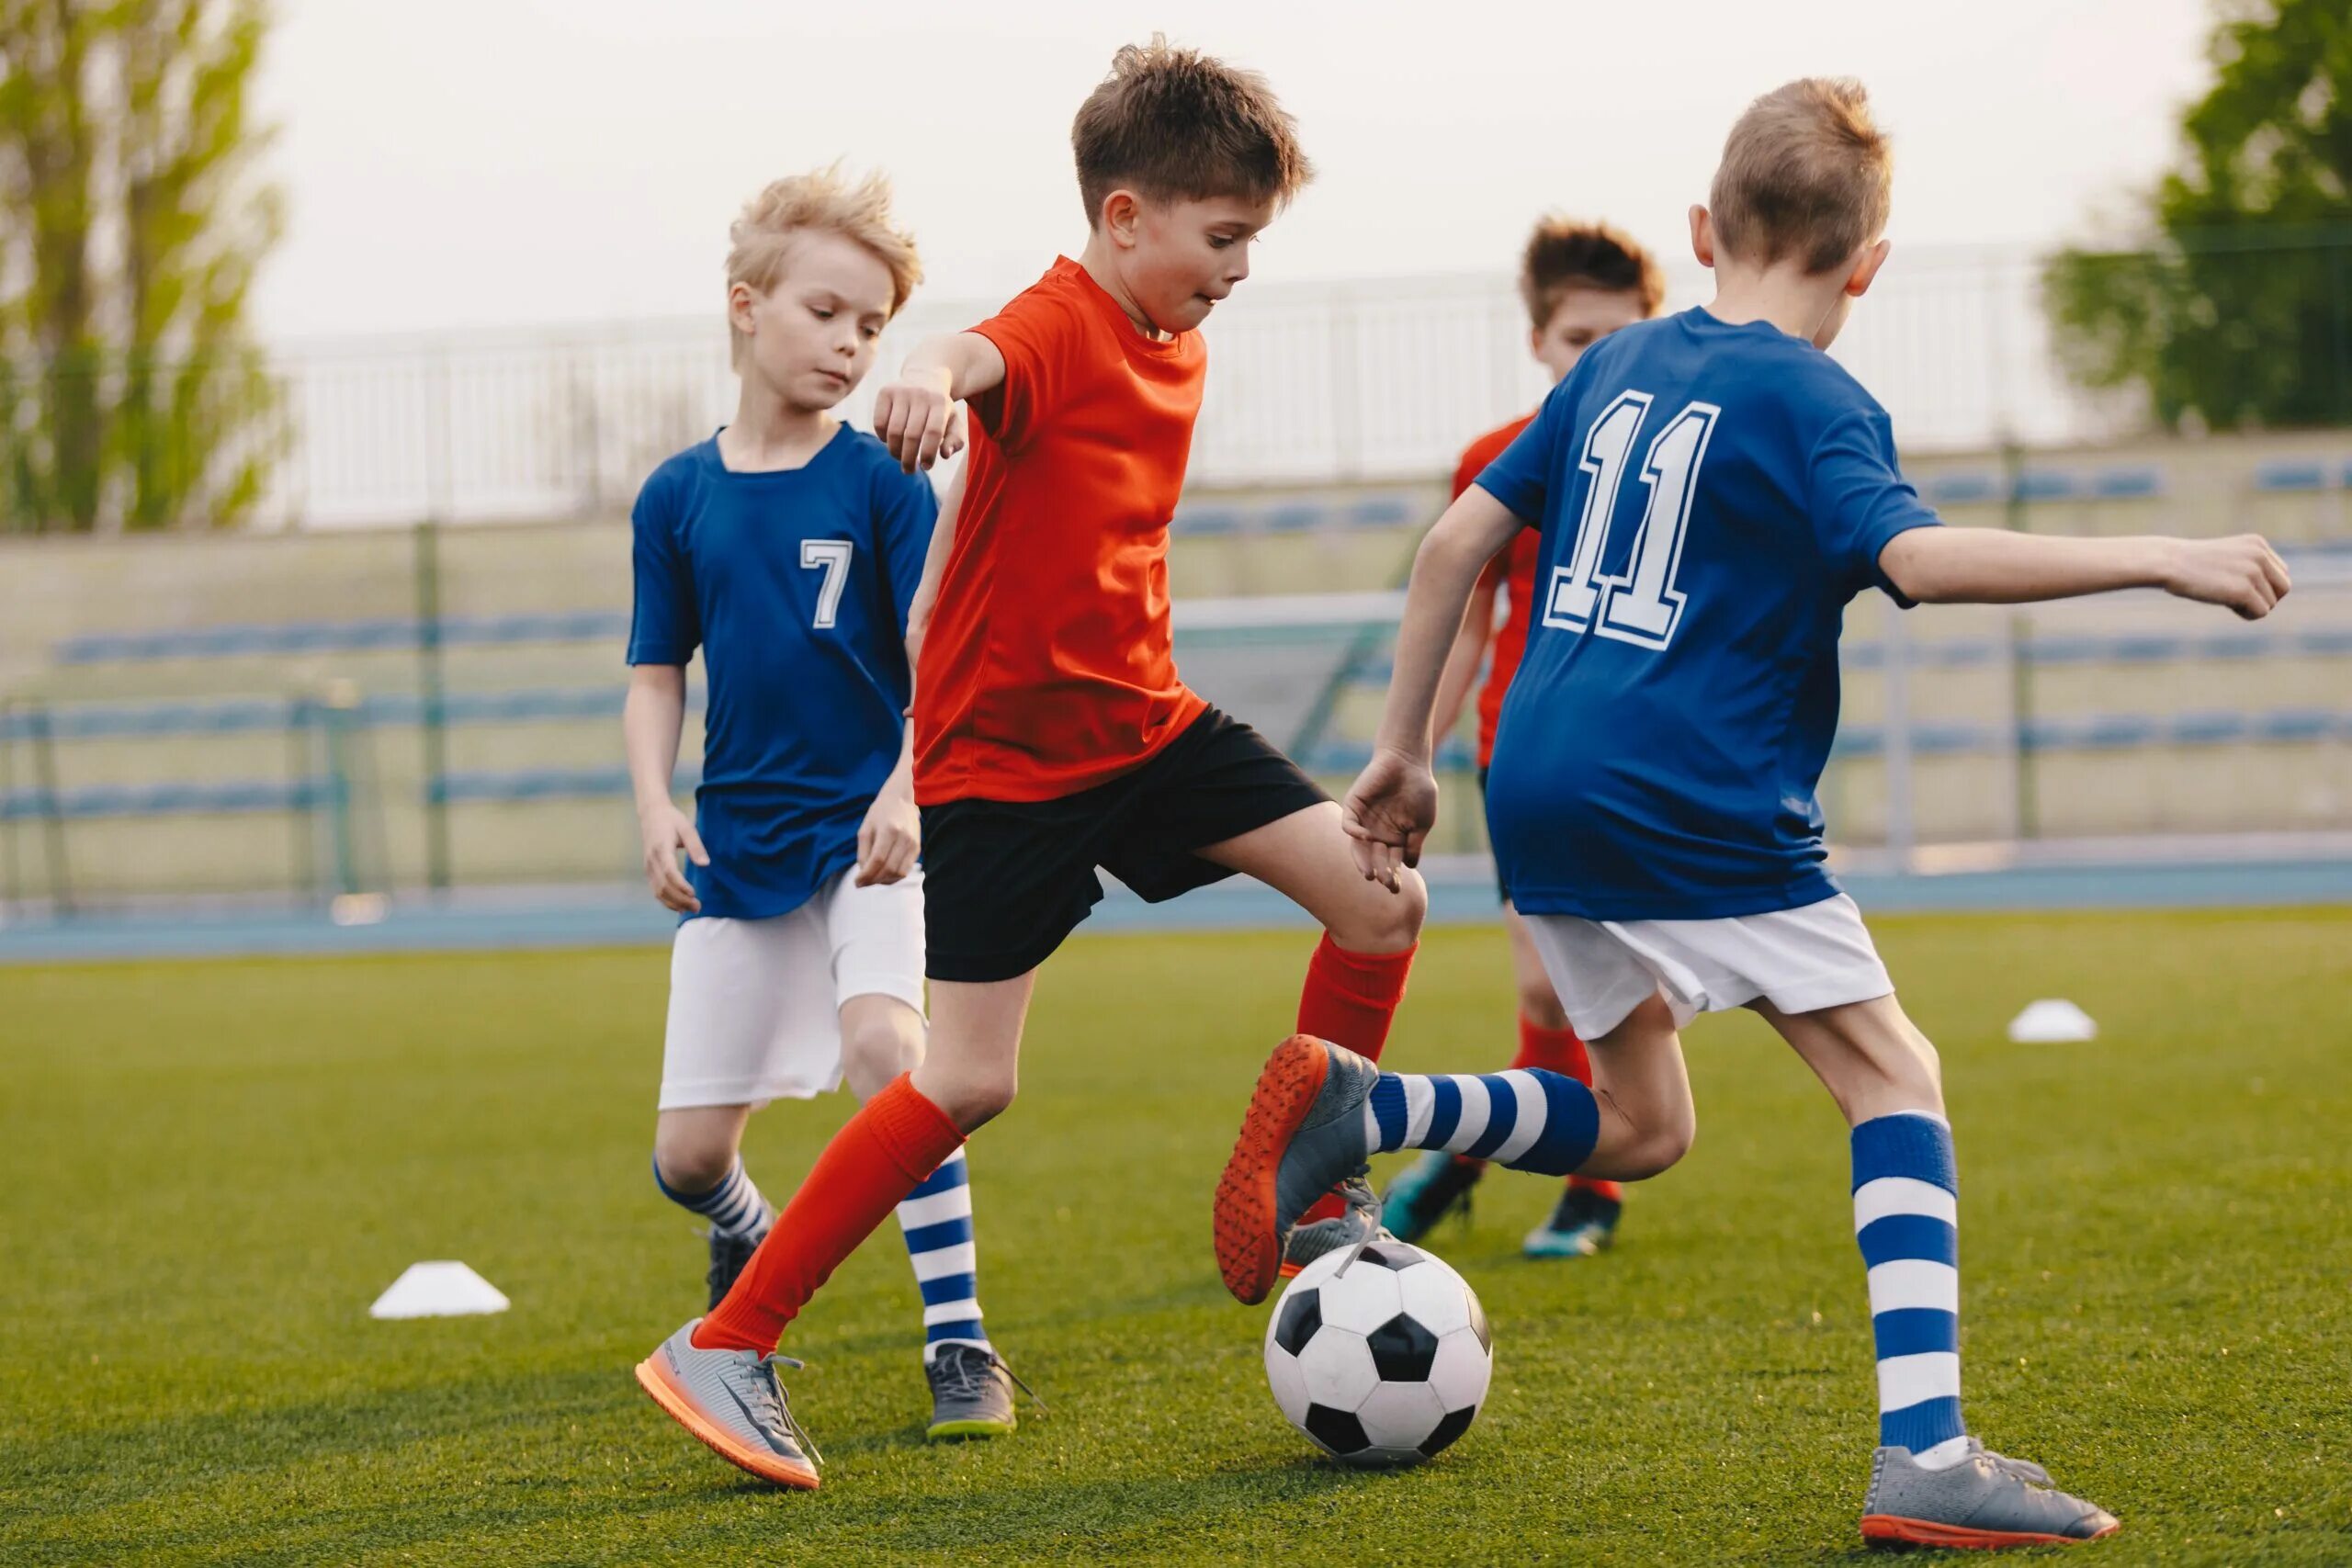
1638 605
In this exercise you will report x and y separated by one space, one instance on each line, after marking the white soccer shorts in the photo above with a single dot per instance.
1799 960
755 1005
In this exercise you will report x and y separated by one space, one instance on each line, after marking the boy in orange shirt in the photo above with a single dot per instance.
1052 734
1580 282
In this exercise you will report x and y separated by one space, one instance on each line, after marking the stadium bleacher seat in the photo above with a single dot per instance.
2291 476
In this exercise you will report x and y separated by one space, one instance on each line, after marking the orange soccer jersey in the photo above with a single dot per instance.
1048 665
1518 565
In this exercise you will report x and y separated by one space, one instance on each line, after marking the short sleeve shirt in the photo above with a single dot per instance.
1048 665
793 585
1710 496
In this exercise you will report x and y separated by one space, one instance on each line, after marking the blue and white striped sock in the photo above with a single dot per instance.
1906 1217
1526 1119
937 1220
734 1207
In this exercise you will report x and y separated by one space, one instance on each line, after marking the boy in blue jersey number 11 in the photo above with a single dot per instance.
787 547
1711 489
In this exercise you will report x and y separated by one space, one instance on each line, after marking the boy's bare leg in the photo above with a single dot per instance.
698 1164
971 1067
694 1146
1305 857
1639 1082
1870 1055
1931 1483
881 1037
971 1392
1585 1218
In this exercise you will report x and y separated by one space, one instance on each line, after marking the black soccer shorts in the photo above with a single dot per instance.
1004 882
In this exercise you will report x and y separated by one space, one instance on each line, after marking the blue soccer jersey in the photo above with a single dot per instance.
1710 497
794 585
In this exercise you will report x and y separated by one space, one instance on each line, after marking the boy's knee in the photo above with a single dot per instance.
875 1052
971 1101
691 1160
1656 1150
1910 1077
1383 921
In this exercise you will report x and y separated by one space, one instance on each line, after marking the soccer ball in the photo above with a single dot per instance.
1382 1357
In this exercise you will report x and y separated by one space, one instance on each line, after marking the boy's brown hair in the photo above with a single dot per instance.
1173 124
761 235
1563 253
1806 174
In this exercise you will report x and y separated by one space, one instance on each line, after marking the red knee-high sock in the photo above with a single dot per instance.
880 1155
1563 1052
1350 1000
1558 1050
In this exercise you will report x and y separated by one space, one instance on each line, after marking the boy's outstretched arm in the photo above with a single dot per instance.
1993 566
914 415
1389 811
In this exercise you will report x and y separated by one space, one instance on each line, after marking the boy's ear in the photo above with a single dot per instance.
740 298
1702 235
1858 282
1121 215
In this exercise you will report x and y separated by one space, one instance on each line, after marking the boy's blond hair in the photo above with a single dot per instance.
1173 124
1563 253
760 238
1806 174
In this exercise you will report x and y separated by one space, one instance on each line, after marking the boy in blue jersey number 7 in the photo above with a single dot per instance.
1711 489
787 547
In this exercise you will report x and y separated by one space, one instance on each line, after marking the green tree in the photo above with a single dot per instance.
131 391
2232 308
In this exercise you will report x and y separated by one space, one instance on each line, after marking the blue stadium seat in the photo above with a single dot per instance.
1381 511
169 799
1960 490
2048 484
1208 520
2295 474
2127 484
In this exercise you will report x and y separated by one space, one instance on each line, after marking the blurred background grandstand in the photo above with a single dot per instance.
398 676
404 674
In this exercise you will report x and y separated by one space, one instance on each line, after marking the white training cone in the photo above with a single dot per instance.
2054 1021
438 1290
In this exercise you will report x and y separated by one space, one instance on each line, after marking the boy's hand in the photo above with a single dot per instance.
917 420
666 830
2243 572
891 837
1388 814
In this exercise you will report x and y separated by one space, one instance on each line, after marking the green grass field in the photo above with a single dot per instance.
213 1168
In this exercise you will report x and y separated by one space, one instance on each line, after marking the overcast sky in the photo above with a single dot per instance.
460 163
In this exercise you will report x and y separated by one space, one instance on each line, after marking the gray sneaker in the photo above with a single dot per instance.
1359 1224
1303 1133
971 1394
729 1255
732 1402
1986 1501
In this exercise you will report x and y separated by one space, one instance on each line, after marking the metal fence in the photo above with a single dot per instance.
1367 379
1352 380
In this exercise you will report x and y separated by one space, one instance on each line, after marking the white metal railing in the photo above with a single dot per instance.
1352 380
